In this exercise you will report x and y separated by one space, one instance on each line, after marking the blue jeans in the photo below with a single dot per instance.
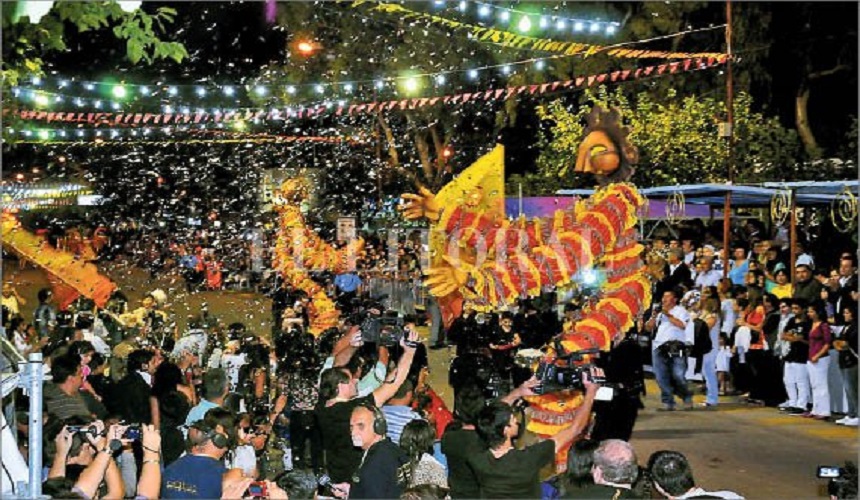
709 371
671 377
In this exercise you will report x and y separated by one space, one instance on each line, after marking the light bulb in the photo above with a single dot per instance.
560 24
411 84
578 26
484 10
525 24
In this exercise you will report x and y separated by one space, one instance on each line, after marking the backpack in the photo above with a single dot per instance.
701 338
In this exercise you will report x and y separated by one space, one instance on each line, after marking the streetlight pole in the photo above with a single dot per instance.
730 134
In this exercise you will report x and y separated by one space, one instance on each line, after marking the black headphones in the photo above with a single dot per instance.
380 425
220 440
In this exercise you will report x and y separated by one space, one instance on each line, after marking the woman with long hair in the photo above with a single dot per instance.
416 441
819 361
170 403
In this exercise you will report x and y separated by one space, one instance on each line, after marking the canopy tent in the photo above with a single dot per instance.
818 187
728 196
806 193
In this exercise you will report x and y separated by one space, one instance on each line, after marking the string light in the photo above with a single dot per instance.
539 64
119 92
525 24
201 92
348 88
291 90
144 90
172 91
559 21
595 27
228 90
473 74
320 89
411 84
463 5
440 79
260 90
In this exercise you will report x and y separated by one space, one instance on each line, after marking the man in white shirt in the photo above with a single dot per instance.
668 355
709 276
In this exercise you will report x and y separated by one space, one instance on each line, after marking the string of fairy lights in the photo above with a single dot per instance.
526 21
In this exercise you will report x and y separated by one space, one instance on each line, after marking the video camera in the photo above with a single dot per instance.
562 373
380 328
842 481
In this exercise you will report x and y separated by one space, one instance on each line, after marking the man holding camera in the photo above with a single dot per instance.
339 397
669 352
505 472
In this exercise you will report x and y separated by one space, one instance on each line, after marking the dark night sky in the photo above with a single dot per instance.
231 41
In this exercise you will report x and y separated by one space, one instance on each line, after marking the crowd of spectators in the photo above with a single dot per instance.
736 316
219 411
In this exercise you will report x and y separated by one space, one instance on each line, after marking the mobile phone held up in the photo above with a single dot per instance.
258 489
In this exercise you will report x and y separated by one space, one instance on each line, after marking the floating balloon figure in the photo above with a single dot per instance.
479 255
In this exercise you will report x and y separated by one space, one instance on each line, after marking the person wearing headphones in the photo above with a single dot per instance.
383 471
200 472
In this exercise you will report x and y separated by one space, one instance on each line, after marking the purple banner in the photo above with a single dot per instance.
544 206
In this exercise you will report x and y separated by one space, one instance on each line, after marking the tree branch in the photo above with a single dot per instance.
828 72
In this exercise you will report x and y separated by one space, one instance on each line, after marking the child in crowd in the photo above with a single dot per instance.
724 356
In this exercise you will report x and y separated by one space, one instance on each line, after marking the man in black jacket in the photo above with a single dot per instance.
679 274
130 397
384 470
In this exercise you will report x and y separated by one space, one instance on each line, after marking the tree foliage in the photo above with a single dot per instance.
678 140
26 43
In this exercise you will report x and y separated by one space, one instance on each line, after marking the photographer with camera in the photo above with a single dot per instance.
339 396
505 472
669 350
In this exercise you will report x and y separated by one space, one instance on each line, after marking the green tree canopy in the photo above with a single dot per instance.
678 140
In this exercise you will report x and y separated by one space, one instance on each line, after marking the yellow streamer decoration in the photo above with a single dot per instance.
513 40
